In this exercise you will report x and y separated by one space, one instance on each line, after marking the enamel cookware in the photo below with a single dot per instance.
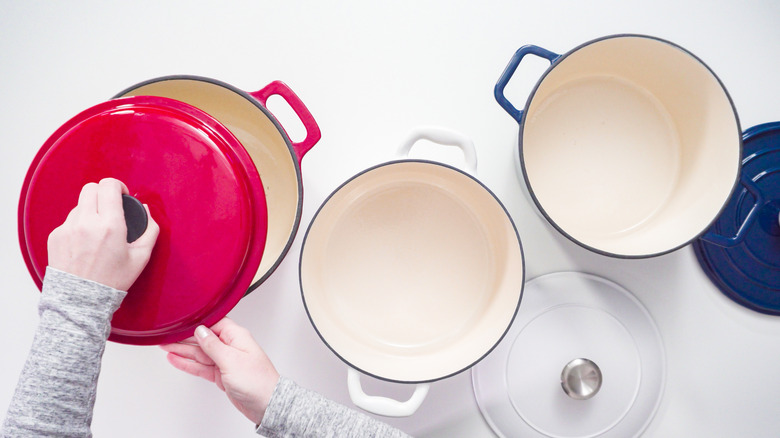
276 157
584 358
749 272
201 187
629 145
411 271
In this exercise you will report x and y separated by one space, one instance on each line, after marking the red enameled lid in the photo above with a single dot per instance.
201 186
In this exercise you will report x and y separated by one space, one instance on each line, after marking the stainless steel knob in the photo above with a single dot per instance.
581 379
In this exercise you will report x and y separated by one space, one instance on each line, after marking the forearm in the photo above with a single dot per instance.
298 412
56 391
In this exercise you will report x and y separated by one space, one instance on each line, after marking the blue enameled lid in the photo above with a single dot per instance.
749 272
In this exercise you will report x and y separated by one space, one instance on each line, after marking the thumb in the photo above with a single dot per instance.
212 345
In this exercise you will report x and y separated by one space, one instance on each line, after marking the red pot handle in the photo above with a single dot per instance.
313 134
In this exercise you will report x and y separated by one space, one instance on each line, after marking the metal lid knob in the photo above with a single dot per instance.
581 379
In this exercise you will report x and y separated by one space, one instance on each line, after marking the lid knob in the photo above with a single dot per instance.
581 379
135 217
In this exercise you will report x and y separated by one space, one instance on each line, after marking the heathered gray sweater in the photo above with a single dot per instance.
56 391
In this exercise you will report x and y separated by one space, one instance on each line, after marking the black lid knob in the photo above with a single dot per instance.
135 217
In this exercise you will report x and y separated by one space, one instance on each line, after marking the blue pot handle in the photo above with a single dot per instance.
728 242
498 91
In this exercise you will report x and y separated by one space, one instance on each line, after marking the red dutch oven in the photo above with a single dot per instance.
193 149
201 187
276 157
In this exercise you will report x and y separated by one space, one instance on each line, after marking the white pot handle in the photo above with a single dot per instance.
383 405
446 137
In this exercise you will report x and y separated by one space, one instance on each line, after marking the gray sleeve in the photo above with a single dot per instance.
56 391
297 412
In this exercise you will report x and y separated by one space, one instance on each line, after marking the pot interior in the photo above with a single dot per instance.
266 146
631 146
411 271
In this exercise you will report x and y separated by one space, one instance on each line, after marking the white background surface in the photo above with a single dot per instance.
370 72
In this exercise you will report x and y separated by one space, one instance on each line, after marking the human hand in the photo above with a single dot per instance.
92 243
227 355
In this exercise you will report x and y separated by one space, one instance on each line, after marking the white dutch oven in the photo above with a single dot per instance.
411 271
630 145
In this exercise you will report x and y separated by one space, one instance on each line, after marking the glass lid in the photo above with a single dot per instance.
582 359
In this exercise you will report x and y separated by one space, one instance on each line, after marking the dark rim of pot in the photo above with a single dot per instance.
557 61
396 162
279 128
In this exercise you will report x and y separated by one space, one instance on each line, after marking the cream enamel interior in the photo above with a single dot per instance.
631 146
412 271
264 143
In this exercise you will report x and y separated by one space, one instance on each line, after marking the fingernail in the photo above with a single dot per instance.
201 332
